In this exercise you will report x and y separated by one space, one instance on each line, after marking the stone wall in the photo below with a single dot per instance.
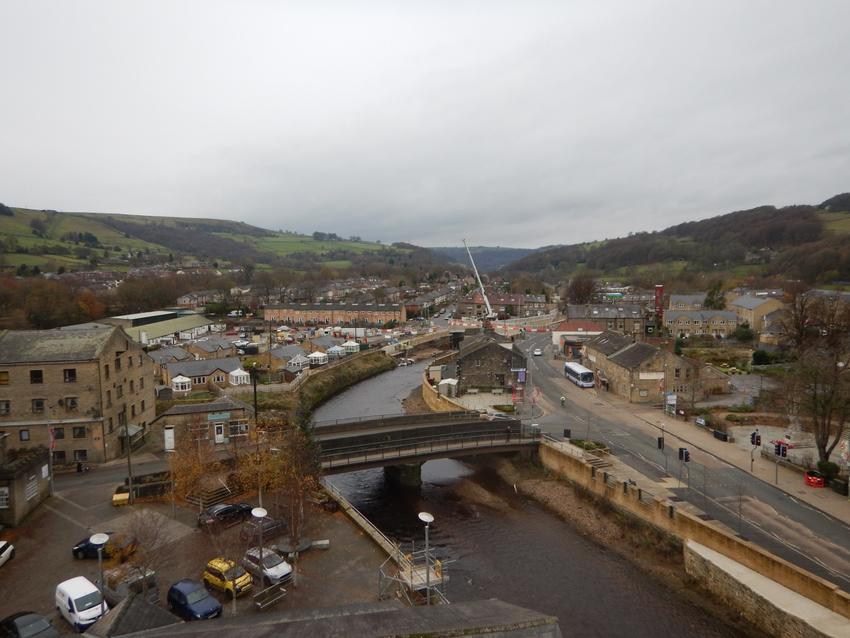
665 516
436 402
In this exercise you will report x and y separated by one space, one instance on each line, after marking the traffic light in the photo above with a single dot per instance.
681 453
758 440
752 438
687 456
777 449
784 450
660 442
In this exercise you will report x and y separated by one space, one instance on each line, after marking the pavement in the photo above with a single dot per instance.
770 506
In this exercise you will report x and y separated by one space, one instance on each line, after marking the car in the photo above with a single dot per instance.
7 552
224 514
272 528
274 569
79 602
813 478
537 352
190 600
119 546
27 624
225 575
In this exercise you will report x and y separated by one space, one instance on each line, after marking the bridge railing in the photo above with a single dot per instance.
413 446
458 415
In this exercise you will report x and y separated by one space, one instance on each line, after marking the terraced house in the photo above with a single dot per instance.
687 323
90 386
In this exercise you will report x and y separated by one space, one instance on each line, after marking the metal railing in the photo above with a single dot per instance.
402 418
416 446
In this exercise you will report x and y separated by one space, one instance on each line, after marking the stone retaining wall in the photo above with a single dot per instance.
664 515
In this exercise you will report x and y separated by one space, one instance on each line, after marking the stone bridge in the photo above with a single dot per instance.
401 443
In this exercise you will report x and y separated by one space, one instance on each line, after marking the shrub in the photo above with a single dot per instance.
828 469
762 358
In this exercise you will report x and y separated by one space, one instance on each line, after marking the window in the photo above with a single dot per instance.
142 409
219 378
133 410
5 408
106 370
117 364
81 455
24 435
36 376
4 498
4 377
678 373
130 361
70 375
238 428
111 427
141 383
31 487
198 380
140 359
122 417
109 398
79 431
71 403
59 457
58 433
119 390
37 406
132 386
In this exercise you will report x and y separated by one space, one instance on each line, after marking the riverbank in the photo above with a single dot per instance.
657 554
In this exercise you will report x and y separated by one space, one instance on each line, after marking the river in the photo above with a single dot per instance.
516 551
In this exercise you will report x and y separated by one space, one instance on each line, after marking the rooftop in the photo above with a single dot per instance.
59 344
609 342
633 355
203 367
222 404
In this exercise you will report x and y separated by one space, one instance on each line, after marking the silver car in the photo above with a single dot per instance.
274 571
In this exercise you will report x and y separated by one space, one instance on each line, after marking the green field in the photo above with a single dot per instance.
836 223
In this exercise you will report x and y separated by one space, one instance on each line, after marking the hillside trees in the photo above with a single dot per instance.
582 288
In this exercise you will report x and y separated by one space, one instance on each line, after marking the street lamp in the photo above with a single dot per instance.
427 518
100 539
260 514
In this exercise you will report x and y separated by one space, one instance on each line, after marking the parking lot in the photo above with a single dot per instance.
344 573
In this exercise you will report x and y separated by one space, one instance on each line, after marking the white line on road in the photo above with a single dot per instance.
66 517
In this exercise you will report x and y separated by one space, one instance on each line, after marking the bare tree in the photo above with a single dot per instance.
582 288
149 531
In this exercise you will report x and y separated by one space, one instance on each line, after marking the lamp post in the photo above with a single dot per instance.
427 518
260 514
100 539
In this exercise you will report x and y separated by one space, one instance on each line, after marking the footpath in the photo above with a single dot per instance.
687 434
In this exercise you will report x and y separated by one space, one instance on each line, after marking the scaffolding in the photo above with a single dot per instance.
415 577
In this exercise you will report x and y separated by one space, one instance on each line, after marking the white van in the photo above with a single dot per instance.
79 602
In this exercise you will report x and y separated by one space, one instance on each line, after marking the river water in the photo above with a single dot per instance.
514 549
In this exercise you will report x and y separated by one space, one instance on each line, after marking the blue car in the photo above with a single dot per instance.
190 600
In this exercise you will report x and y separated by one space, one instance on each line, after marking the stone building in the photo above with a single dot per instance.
686 302
184 376
687 323
336 314
642 373
84 384
24 481
628 319
752 310
486 364
222 422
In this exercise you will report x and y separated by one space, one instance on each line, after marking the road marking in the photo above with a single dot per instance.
69 502
66 517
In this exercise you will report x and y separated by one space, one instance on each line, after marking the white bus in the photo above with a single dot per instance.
578 374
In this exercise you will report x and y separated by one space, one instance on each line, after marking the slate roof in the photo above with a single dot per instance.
749 302
609 342
203 367
82 343
213 344
130 615
633 355
169 327
689 299
474 619
604 311
288 352
326 342
222 404
701 315
166 355
363 307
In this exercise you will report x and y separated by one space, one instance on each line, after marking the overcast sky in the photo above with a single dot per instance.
513 124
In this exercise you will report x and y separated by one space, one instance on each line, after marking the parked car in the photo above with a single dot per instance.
27 624
120 581
119 546
79 602
7 552
225 575
274 569
537 352
272 528
224 514
813 478
190 600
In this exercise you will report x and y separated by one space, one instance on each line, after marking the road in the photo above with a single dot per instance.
758 511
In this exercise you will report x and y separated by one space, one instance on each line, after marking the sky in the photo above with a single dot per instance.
506 123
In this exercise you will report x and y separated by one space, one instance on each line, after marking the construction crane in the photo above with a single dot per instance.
490 316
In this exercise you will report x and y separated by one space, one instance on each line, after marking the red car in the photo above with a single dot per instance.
814 479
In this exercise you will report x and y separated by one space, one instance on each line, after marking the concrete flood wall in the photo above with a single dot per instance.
765 603
665 516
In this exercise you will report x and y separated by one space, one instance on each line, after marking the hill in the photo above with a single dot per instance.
52 239
805 241
487 258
